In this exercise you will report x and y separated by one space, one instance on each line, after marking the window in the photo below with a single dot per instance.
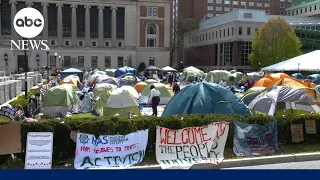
80 61
67 43
151 61
218 9
235 2
152 11
53 62
288 13
305 9
66 20
67 62
228 32
226 2
52 18
259 4
224 33
232 32
226 9
240 30
209 36
120 61
300 11
80 43
80 21
119 44
243 3
107 61
53 43
266 5
206 36
210 15
281 12
310 8
94 61
248 31
220 33
210 8
251 3
94 44
107 44
315 7
218 1
281 5
151 35
210 1
216 34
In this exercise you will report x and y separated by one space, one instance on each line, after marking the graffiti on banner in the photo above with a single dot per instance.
8 112
254 139
216 154
297 132
182 148
110 151
311 127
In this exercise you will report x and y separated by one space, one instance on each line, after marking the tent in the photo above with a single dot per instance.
294 99
72 79
290 82
264 82
131 90
111 80
251 94
128 79
192 71
71 71
168 69
140 86
217 76
305 62
99 88
151 81
255 76
279 76
124 70
59 100
152 68
234 78
120 102
314 78
205 98
298 76
165 95
110 72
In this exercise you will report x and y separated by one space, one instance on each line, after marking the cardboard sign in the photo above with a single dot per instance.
297 132
311 127
10 138
8 112
39 150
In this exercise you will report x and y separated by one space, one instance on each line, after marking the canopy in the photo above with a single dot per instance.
168 69
205 98
124 70
152 68
72 70
305 62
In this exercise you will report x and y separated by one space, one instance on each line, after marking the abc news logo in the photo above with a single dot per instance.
28 23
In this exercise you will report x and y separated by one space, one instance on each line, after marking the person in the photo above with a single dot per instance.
19 113
170 79
155 99
176 88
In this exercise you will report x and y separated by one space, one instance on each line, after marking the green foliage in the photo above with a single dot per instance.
141 67
21 99
64 147
274 42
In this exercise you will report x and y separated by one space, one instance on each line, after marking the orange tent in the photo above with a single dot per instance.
264 82
291 82
280 75
140 86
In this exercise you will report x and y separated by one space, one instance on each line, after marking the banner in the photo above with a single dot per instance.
110 151
39 150
254 140
8 112
10 138
184 147
297 132
311 127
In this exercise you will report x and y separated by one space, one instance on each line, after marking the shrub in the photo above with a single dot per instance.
64 147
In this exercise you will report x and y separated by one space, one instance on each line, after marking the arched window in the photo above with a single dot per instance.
151 35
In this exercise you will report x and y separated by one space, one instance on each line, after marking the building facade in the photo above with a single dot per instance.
305 9
225 42
91 34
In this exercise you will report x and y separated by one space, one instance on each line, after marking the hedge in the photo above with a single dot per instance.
64 147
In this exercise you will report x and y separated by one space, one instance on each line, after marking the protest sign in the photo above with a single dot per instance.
10 138
8 112
39 150
254 139
297 132
311 127
183 148
110 151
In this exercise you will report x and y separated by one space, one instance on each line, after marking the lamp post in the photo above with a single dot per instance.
299 67
59 62
6 58
260 66
38 59
25 73
48 50
181 65
55 56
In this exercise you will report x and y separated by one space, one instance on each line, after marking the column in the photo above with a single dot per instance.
74 25
29 4
0 28
218 55
45 30
87 22
114 27
13 13
101 8
59 24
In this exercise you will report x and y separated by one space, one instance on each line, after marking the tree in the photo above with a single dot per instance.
183 26
141 67
274 42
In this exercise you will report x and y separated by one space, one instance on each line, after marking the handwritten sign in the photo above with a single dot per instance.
297 132
110 151
8 112
39 150
311 127
184 147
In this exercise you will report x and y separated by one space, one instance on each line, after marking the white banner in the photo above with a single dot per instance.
39 150
180 149
110 151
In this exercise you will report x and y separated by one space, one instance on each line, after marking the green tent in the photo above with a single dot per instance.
165 95
63 95
110 72
151 81
234 78
99 88
217 76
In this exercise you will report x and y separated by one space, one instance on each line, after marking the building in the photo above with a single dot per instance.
305 9
225 42
92 34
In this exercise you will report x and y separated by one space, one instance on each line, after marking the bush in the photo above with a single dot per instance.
64 147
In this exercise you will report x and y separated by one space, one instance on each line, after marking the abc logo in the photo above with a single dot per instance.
28 22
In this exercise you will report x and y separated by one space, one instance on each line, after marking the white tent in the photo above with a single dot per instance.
305 62
168 69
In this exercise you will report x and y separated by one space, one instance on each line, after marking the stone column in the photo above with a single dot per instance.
74 25
87 23
45 31
114 27
219 55
101 8
0 28
13 13
59 24
29 4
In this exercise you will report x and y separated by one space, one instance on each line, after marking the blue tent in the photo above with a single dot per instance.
124 70
298 76
205 98
315 78
72 71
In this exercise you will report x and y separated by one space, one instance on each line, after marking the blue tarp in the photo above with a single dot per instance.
205 98
298 76
124 70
